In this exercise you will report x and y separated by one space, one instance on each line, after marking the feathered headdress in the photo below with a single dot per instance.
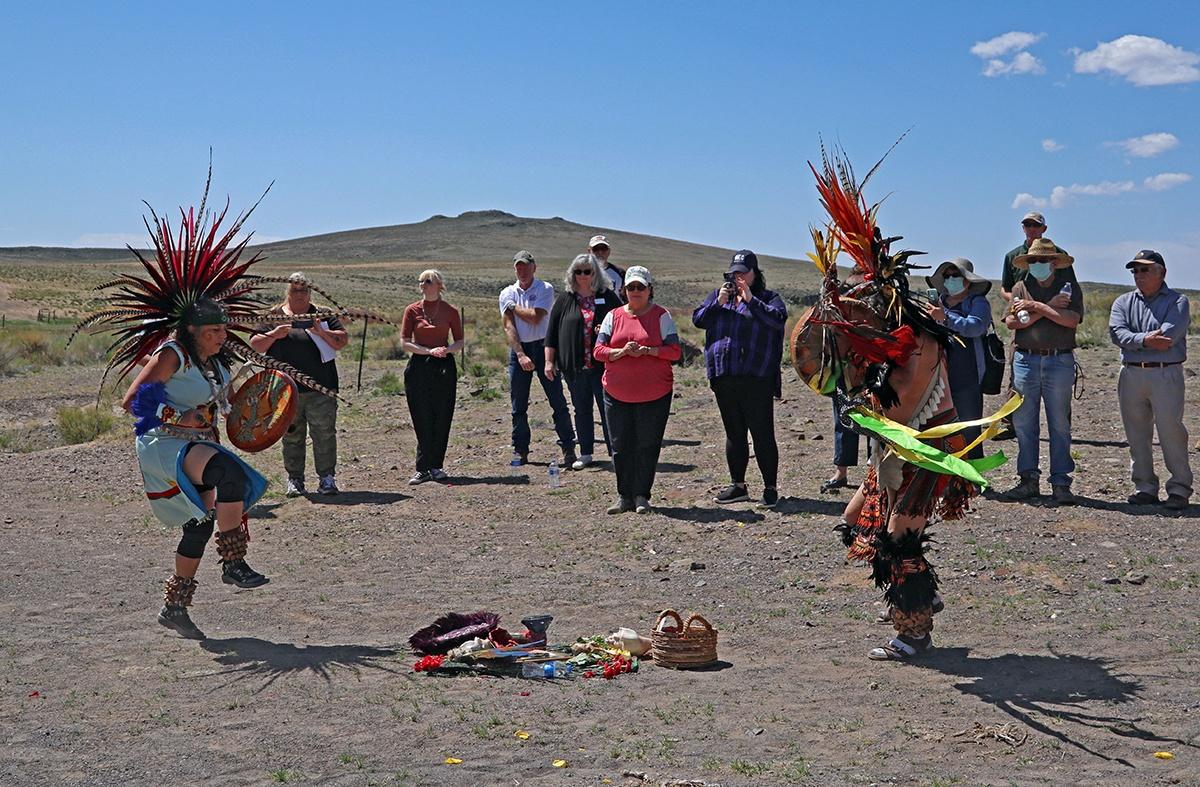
198 261
855 230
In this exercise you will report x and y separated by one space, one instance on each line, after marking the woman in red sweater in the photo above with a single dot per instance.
637 343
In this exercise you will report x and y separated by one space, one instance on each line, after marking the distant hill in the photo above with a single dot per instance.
474 236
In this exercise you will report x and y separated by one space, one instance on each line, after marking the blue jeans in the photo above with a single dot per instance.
1044 379
519 382
585 388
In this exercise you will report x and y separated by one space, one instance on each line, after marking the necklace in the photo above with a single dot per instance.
425 311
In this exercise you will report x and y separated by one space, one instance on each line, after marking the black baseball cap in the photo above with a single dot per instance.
1143 256
743 261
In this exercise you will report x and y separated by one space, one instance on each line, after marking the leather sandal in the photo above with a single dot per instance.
901 648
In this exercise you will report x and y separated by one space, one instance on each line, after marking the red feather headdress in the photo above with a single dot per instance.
199 260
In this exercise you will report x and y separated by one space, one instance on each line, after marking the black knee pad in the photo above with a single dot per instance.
195 535
225 475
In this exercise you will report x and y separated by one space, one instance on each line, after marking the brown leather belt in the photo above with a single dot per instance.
1044 352
1151 364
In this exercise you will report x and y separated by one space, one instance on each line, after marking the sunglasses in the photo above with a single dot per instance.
635 287
583 271
426 281
1031 225
1143 268
299 290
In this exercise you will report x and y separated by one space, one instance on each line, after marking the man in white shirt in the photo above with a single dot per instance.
525 306
600 249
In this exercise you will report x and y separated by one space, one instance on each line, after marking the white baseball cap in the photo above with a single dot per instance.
639 274
598 240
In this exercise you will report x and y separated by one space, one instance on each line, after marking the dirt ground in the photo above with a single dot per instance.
1067 653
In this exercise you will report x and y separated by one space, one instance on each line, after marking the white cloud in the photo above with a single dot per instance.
1148 145
1061 196
1027 200
1023 63
1051 146
1167 180
1014 41
1142 61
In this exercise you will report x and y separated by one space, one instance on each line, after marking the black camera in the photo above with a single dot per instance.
730 280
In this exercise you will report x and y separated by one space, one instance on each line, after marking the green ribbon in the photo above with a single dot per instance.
925 456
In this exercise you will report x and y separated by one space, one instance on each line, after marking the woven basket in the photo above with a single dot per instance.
684 645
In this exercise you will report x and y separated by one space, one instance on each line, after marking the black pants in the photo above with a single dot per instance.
636 431
748 404
430 386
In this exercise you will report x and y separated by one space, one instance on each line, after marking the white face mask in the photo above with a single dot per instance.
1040 270
955 284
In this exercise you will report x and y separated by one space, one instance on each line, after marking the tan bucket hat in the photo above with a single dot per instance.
1043 249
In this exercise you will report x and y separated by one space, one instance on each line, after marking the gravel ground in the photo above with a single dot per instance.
1066 654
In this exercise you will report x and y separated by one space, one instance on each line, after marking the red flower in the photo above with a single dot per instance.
428 663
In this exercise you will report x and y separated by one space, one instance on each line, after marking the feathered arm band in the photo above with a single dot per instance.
148 405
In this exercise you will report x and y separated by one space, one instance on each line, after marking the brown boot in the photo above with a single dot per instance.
177 597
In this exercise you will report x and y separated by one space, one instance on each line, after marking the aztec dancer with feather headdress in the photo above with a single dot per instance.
180 320
876 343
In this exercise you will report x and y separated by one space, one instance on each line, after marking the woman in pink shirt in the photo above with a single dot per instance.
637 343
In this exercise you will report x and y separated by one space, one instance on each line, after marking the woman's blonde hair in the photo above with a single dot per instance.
588 260
436 275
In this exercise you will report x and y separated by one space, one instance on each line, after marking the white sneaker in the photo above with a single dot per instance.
295 487
582 462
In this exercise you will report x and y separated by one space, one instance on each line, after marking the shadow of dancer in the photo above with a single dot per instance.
358 497
1056 686
250 657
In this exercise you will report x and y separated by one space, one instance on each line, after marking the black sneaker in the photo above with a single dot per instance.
420 477
641 504
734 493
177 618
770 497
238 572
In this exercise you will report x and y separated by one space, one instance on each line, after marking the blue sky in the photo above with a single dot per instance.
688 120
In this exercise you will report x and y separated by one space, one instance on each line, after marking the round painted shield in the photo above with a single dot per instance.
262 410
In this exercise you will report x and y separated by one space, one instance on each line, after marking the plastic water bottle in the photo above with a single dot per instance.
514 468
554 478
1066 290
546 669
1023 317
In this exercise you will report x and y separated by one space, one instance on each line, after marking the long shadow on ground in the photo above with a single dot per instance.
1055 686
358 497
250 657
694 514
